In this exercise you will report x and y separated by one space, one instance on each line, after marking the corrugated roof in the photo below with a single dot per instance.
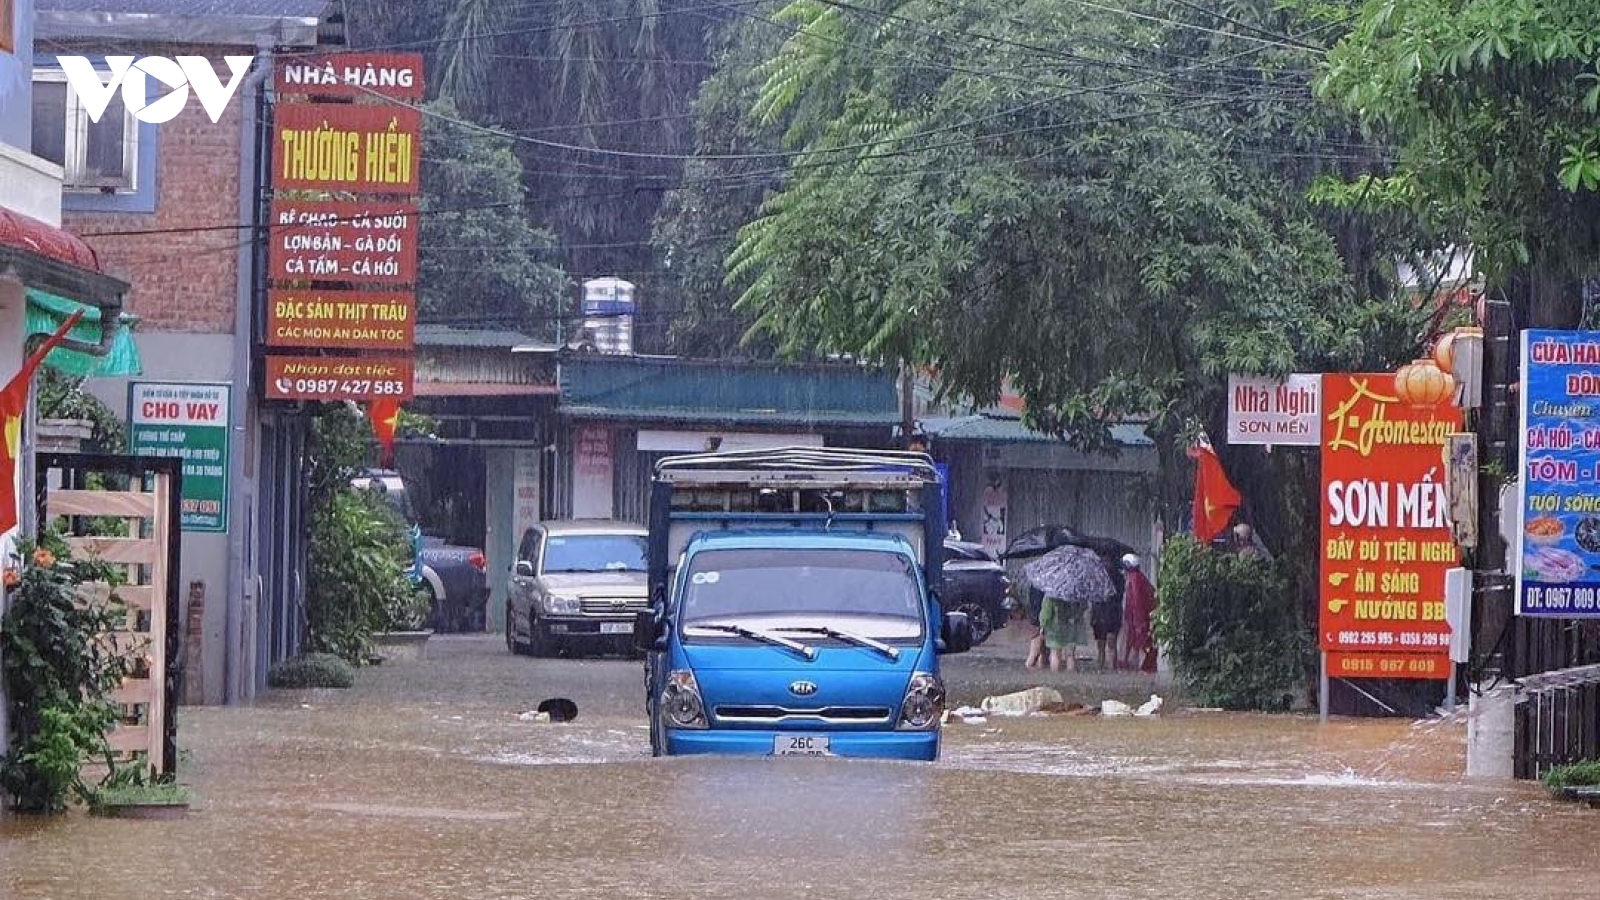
724 392
1004 429
484 338
210 8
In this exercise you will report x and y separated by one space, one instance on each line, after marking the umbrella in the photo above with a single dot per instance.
1071 573
1039 541
1107 548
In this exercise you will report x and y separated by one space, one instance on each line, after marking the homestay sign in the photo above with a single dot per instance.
1386 535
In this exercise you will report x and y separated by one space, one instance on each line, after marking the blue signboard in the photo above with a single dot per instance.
1558 545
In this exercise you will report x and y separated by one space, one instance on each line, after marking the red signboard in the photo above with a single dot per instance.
346 147
321 240
1385 535
394 75
355 320
357 378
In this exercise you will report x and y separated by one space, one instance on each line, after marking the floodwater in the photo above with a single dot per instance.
424 783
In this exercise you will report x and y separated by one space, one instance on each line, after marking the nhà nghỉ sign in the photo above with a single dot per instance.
346 147
1558 535
189 422
1386 532
356 378
348 320
363 243
397 76
1275 412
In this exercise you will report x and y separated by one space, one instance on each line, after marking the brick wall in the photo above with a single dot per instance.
185 282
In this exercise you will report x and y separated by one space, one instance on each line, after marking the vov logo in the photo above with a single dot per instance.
178 75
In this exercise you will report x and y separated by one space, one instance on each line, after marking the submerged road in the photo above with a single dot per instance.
423 782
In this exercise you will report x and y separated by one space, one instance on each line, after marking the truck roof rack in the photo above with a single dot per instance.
817 466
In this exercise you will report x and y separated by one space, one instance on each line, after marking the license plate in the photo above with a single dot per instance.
616 628
800 745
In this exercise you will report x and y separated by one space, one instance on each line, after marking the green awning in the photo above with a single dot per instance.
46 312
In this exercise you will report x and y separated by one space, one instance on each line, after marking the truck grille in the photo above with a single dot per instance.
768 714
610 606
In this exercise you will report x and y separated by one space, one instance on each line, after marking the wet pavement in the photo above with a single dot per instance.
422 782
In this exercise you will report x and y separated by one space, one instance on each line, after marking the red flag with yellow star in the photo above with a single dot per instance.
385 415
13 410
1215 497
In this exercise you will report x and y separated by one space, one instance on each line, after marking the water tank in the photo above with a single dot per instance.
608 311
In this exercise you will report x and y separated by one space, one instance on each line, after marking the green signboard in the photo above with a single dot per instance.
188 421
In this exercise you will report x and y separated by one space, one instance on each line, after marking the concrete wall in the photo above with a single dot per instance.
199 358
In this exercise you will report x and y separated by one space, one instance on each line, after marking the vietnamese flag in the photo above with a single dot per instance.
1215 498
13 410
385 415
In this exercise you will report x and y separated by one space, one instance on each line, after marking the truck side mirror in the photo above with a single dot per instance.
648 633
957 633
523 568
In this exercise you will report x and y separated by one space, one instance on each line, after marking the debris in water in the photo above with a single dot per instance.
1023 703
1149 707
1115 708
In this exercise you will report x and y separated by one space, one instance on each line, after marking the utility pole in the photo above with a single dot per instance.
1493 602
908 419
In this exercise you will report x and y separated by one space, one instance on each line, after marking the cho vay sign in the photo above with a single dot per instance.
1386 536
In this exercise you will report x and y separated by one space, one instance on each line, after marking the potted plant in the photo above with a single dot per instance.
405 615
133 792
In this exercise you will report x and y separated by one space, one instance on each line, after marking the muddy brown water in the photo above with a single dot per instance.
423 783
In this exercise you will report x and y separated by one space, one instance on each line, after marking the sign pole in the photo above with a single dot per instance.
1322 690
1450 689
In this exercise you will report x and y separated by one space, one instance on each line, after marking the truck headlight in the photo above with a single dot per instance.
681 702
924 702
557 605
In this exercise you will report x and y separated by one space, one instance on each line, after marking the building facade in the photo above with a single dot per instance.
169 206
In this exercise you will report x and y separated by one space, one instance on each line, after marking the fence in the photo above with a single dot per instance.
1557 720
135 505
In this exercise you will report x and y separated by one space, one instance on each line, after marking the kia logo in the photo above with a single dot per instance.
802 688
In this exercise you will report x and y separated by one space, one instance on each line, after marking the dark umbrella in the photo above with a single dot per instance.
1071 573
1039 541
1107 548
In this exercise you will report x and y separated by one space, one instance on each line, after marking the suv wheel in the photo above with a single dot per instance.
516 647
539 644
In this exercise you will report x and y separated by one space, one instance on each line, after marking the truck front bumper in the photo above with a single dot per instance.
913 745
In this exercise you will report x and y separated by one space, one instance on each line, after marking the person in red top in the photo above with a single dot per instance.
1138 605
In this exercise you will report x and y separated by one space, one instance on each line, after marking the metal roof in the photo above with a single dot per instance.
665 389
218 8
480 338
1007 429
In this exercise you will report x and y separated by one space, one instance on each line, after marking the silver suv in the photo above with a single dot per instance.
576 586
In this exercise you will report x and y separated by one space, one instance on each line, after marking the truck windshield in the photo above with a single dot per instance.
867 591
594 553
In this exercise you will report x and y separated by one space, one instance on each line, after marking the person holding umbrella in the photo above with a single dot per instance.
1070 578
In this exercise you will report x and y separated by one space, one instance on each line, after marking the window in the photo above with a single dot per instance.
529 551
870 590
594 553
97 156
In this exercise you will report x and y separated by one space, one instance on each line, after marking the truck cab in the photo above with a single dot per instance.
792 608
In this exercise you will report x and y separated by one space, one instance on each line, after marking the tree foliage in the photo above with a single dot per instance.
1493 104
482 257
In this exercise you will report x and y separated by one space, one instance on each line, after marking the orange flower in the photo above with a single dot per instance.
43 557
13 578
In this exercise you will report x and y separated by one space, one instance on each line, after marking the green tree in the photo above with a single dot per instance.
1493 106
482 257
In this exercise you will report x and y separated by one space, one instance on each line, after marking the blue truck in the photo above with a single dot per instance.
792 605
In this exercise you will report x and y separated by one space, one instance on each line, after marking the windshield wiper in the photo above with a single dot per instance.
805 650
847 637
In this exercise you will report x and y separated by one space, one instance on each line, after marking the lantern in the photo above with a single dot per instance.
1444 352
1422 383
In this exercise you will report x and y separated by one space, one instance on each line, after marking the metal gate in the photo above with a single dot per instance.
136 504
1557 720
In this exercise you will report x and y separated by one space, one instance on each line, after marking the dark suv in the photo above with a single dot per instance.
975 583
